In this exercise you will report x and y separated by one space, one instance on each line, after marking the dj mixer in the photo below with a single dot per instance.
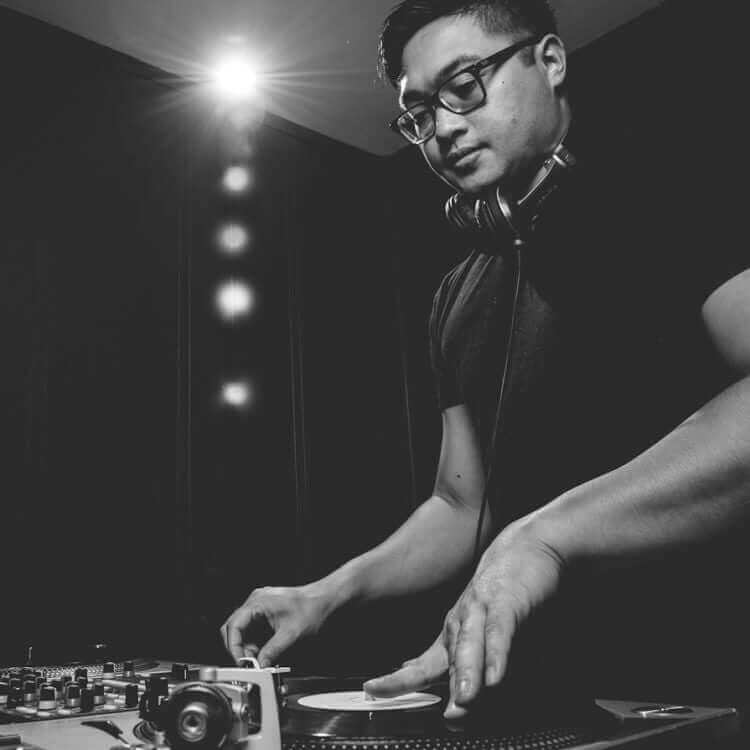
58 706
39 693
162 705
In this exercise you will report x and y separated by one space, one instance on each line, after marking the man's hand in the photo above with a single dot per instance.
516 574
271 620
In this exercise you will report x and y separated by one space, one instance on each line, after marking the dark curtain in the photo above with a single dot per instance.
92 251
136 509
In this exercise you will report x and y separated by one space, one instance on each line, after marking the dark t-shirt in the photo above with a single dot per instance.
608 355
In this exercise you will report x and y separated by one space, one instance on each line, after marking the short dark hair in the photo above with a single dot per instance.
535 17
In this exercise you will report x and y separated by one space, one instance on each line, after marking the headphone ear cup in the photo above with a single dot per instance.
459 210
496 218
485 220
499 216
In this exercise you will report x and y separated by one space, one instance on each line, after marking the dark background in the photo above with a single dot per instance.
137 511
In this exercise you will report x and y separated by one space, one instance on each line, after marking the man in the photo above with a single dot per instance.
592 374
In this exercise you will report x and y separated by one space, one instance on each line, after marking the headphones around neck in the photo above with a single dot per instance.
495 217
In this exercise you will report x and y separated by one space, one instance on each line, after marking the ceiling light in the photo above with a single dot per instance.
234 299
236 78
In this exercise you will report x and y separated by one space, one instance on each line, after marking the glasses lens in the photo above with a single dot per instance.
462 93
416 123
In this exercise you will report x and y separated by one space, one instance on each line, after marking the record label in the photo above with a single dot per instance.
358 700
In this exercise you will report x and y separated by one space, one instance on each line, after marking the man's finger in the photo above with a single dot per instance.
498 634
414 675
468 656
450 635
233 639
234 629
224 630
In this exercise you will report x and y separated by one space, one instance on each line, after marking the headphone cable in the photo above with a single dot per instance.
518 244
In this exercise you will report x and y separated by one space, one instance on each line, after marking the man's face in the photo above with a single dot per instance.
504 139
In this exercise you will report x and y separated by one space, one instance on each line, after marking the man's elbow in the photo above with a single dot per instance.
726 314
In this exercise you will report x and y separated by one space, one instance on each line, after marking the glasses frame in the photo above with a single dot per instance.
434 101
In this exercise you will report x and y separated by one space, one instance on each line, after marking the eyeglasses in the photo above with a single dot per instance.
462 93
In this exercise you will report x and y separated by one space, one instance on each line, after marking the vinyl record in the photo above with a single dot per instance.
359 700
309 720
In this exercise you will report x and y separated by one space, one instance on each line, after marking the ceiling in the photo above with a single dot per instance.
321 52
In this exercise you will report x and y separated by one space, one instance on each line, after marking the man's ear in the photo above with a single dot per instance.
552 56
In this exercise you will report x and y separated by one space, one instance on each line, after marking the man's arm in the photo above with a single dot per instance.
689 487
437 540
429 548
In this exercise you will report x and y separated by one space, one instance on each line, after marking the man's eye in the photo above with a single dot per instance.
463 86
419 116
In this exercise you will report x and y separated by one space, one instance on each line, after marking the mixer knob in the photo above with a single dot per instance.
47 698
128 669
180 672
131 695
15 697
4 690
15 693
159 684
98 694
157 690
81 672
66 678
82 682
58 685
29 692
87 700
108 672
73 696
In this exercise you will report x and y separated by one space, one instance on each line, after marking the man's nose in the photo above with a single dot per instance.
448 124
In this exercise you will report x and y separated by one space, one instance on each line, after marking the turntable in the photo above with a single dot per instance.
196 707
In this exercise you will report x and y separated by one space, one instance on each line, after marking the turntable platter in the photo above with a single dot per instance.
357 700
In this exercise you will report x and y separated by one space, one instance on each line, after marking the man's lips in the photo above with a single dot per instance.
457 156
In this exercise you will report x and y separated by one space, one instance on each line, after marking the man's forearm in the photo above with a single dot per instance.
689 487
428 549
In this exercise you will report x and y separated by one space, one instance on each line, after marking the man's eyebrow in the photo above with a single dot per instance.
412 96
